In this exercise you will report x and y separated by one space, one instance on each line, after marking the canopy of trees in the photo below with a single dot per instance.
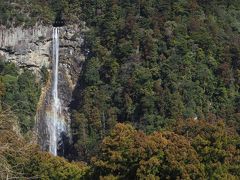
151 63
158 96
196 150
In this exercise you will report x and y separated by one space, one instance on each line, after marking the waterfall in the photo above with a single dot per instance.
55 121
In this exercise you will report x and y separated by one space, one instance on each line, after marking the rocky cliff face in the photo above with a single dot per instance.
26 47
32 48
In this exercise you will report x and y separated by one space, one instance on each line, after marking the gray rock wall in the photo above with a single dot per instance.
32 48
26 47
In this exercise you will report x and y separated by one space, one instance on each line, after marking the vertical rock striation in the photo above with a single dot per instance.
32 48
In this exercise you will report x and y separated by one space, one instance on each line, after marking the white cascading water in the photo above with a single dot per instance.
56 124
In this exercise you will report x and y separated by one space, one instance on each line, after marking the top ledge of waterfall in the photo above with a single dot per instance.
59 21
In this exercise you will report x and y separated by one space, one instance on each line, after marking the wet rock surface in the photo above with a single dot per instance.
32 49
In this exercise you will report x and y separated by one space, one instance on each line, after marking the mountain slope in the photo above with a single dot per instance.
152 63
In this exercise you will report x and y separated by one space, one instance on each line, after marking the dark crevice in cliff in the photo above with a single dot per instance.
59 21
28 66
7 50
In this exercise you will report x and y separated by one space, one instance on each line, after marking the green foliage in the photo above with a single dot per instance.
25 12
153 62
92 76
46 166
44 74
150 63
20 93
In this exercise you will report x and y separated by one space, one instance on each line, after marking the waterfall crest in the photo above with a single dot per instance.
55 121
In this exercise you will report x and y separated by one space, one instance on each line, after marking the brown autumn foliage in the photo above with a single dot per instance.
14 151
216 144
195 149
128 153
21 159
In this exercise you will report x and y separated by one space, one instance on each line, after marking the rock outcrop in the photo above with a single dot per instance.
26 47
32 48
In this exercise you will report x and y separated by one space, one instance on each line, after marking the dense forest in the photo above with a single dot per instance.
158 96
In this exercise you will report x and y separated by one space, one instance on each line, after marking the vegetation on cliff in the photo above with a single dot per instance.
19 93
25 13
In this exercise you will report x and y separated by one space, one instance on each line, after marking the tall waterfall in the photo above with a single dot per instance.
55 121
